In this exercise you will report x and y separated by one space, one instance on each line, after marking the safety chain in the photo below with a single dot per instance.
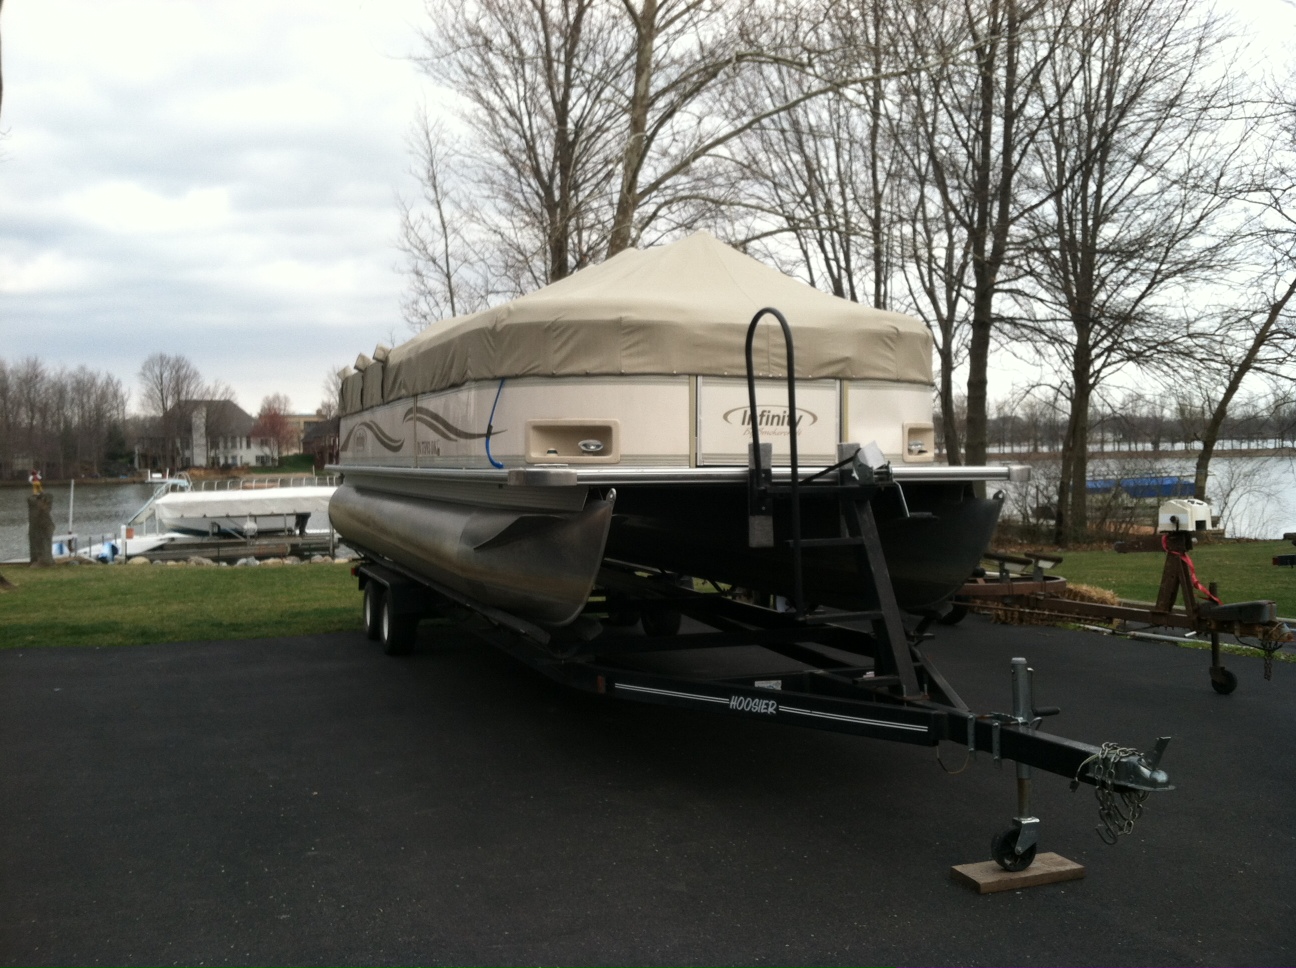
1270 643
1116 811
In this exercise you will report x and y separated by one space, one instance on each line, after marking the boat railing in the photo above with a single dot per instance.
180 482
261 482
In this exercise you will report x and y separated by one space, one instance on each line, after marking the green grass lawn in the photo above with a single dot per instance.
106 605
1244 571
293 464
124 605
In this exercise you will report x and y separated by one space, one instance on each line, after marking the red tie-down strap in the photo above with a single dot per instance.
1192 572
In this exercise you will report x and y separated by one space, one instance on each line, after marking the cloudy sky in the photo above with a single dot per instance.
217 178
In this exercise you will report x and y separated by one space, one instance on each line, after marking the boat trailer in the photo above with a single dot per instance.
858 673
861 673
1018 595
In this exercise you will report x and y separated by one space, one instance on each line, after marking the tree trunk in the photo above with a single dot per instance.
1210 436
976 443
1072 517
949 417
40 529
645 24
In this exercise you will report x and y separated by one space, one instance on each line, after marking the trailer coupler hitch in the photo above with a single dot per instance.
1122 778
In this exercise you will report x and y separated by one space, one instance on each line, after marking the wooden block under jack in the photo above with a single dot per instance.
988 877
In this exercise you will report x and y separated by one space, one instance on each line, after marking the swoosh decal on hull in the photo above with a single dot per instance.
380 435
442 427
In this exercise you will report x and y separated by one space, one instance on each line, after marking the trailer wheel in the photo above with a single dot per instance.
623 617
1003 848
620 614
958 611
373 600
396 632
1223 681
661 623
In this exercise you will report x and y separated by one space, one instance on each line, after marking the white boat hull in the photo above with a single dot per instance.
245 513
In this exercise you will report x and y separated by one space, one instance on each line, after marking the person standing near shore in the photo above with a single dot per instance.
34 478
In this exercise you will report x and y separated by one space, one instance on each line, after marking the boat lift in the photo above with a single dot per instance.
862 673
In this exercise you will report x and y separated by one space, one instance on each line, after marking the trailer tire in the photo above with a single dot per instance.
396 632
373 602
660 623
622 617
958 611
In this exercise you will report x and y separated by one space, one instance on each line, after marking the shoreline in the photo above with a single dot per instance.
1173 453
80 481
1184 454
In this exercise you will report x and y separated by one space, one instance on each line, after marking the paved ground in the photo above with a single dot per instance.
310 801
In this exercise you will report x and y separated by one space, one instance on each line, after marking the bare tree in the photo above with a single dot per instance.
590 123
1259 338
1267 342
935 246
330 403
674 113
978 122
442 254
820 173
532 78
166 381
167 385
66 422
1134 167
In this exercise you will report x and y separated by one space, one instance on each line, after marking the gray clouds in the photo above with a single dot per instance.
210 179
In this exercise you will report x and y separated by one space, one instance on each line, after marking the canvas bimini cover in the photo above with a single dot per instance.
681 308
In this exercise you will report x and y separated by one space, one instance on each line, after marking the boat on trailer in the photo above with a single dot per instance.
508 453
677 417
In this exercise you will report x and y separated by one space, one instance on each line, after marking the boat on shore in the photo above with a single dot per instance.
511 454
243 512
226 518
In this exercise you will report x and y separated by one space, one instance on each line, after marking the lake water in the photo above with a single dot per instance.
100 509
1257 496
1254 496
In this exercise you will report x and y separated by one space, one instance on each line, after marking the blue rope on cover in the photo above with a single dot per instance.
490 425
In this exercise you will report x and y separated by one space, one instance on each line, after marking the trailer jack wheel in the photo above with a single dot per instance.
1222 681
1003 848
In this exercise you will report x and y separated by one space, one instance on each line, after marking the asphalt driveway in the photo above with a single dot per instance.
311 801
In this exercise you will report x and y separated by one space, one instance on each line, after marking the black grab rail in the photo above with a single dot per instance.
799 594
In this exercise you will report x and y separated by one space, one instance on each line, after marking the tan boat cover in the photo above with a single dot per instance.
679 308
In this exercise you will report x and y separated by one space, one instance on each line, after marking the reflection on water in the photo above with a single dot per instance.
99 509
